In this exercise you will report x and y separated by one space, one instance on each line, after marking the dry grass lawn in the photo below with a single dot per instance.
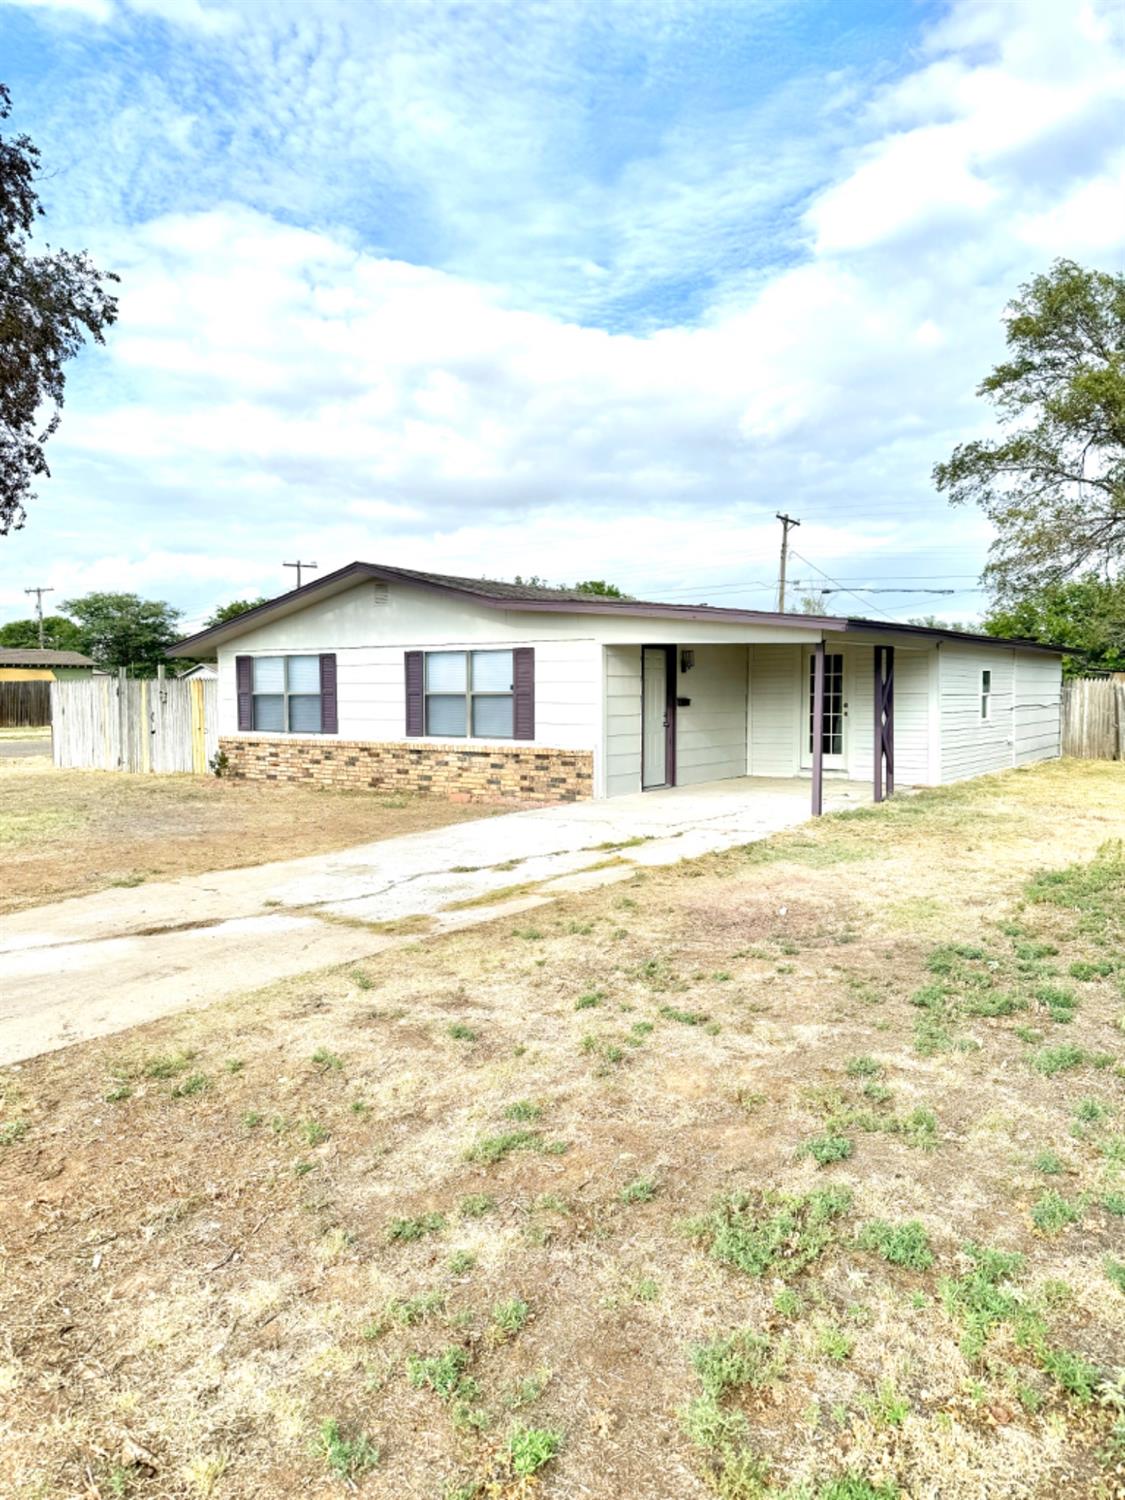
796 1171
66 833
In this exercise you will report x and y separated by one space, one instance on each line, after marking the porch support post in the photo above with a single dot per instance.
818 730
884 738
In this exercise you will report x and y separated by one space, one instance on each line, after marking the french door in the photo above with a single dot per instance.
835 727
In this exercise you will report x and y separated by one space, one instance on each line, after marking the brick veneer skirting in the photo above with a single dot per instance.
527 773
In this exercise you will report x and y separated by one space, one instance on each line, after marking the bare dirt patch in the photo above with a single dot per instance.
66 833
796 1167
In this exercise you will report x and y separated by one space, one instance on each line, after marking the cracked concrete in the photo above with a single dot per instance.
102 963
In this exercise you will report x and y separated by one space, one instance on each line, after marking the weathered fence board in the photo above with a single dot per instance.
1093 718
111 724
25 704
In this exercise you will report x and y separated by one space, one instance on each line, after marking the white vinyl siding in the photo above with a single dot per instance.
622 720
775 710
970 745
1038 693
711 731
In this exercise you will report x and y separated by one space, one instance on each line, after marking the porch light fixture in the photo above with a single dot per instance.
687 660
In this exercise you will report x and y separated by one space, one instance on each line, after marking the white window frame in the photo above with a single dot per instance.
986 695
470 693
285 658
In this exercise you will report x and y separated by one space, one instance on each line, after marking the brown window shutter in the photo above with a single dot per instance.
523 689
415 694
244 684
328 710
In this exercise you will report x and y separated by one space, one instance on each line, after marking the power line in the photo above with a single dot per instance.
39 608
836 581
787 524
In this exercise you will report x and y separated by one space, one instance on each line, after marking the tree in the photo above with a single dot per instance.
123 630
49 305
1085 613
59 633
599 587
232 611
1054 484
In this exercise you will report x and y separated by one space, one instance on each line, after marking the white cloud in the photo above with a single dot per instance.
276 390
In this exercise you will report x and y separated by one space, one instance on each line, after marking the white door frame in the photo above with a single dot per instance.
839 760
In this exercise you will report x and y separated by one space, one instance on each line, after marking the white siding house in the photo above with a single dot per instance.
384 677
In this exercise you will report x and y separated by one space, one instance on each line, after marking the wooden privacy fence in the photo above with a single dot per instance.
25 704
1093 718
113 724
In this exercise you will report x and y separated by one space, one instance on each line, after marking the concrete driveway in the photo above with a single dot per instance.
101 963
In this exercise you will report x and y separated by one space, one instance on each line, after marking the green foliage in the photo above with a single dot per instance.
529 1448
49 305
1087 614
511 1316
1053 484
1115 1272
1052 1060
124 630
462 1033
493 1148
476 1205
59 633
825 1149
1051 1212
741 1359
523 1109
12 1131
1095 890
232 611
900 1244
441 1373
643 1190
405 1230
346 1457
769 1232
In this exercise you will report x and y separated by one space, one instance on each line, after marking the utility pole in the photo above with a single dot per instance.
299 566
39 608
786 523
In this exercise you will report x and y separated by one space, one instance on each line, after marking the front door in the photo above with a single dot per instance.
657 737
834 737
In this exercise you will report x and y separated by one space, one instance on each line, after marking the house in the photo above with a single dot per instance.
30 664
385 677
202 671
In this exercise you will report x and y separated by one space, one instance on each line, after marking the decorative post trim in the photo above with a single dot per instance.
818 730
884 737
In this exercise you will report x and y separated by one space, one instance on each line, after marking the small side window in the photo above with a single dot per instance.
986 694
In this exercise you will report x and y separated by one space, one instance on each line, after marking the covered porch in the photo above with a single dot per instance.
820 718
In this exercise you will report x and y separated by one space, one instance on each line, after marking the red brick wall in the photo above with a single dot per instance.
461 772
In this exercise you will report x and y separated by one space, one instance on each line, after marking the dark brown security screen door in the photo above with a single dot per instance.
835 712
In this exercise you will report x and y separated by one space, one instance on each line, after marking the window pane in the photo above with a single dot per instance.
445 671
304 714
304 674
446 716
492 671
492 718
269 674
269 712
986 682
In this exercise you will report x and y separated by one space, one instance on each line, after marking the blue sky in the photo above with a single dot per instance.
570 289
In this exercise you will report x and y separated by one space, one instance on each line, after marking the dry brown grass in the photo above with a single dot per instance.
66 833
193 1280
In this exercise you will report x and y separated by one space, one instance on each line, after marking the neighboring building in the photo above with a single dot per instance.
385 677
203 671
29 664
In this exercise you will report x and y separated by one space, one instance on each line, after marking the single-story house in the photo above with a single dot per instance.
385 677
30 664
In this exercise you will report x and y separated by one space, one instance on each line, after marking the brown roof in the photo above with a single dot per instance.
31 656
531 597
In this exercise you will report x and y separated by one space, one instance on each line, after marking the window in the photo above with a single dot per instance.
832 734
469 695
286 692
986 694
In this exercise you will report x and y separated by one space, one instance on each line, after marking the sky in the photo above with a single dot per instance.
549 288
